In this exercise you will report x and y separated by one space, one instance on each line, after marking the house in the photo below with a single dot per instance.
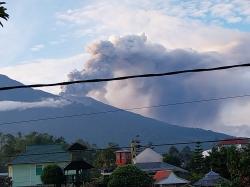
211 179
167 178
237 142
26 168
151 162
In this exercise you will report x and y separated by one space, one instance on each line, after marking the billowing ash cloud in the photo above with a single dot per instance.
16 105
133 54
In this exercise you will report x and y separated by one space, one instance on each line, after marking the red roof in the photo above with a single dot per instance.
234 141
159 175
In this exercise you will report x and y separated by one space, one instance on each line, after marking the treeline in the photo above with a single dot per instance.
230 162
12 145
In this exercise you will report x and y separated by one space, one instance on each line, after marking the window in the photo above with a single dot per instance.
39 169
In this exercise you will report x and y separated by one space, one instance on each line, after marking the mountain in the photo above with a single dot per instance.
119 127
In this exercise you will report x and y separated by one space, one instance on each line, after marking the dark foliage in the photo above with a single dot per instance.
11 145
52 174
129 176
3 13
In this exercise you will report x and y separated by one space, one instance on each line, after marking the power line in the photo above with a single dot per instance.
127 77
124 109
143 146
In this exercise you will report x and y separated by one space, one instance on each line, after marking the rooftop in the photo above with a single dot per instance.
148 155
161 175
210 179
234 141
42 154
168 178
77 147
78 165
157 166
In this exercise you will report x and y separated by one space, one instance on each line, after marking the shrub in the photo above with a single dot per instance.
129 176
52 174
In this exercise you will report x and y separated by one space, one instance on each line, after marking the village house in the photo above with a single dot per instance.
26 168
152 162
211 179
237 142
167 178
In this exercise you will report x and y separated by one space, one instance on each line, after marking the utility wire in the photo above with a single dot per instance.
124 109
143 146
127 77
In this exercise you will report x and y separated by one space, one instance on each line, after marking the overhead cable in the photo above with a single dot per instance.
199 70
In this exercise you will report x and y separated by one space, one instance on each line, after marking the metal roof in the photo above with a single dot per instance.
42 154
210 179
77 147
172 179
157 166
78 165
148 155
234 141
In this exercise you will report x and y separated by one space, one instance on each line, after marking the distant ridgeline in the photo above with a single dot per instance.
28 110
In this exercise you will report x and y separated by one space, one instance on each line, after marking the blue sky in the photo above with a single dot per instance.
33 32
45 40
38 30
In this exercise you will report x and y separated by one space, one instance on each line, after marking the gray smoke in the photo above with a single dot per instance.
133 54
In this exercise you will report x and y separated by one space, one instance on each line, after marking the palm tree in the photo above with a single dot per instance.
3 14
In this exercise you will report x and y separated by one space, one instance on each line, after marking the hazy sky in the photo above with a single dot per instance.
45 40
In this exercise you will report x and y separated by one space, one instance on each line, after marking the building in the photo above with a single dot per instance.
237 142
74 170
123 157
211 179
151 162
167 178
26 169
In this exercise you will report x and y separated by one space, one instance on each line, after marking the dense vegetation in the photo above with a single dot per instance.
12 145
129 176
231 163
52 174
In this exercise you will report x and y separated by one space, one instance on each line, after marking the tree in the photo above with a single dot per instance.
244 166
105 158
52 174
129 176
232 163
218 161
12 145
197 160
172 157
171 160
3 13
185 156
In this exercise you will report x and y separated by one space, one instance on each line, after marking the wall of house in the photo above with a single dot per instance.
26 174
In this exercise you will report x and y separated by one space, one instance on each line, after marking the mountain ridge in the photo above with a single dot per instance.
119 127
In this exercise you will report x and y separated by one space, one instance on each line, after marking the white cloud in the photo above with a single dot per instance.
235 113
159 24
37 47
15 105
44 71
